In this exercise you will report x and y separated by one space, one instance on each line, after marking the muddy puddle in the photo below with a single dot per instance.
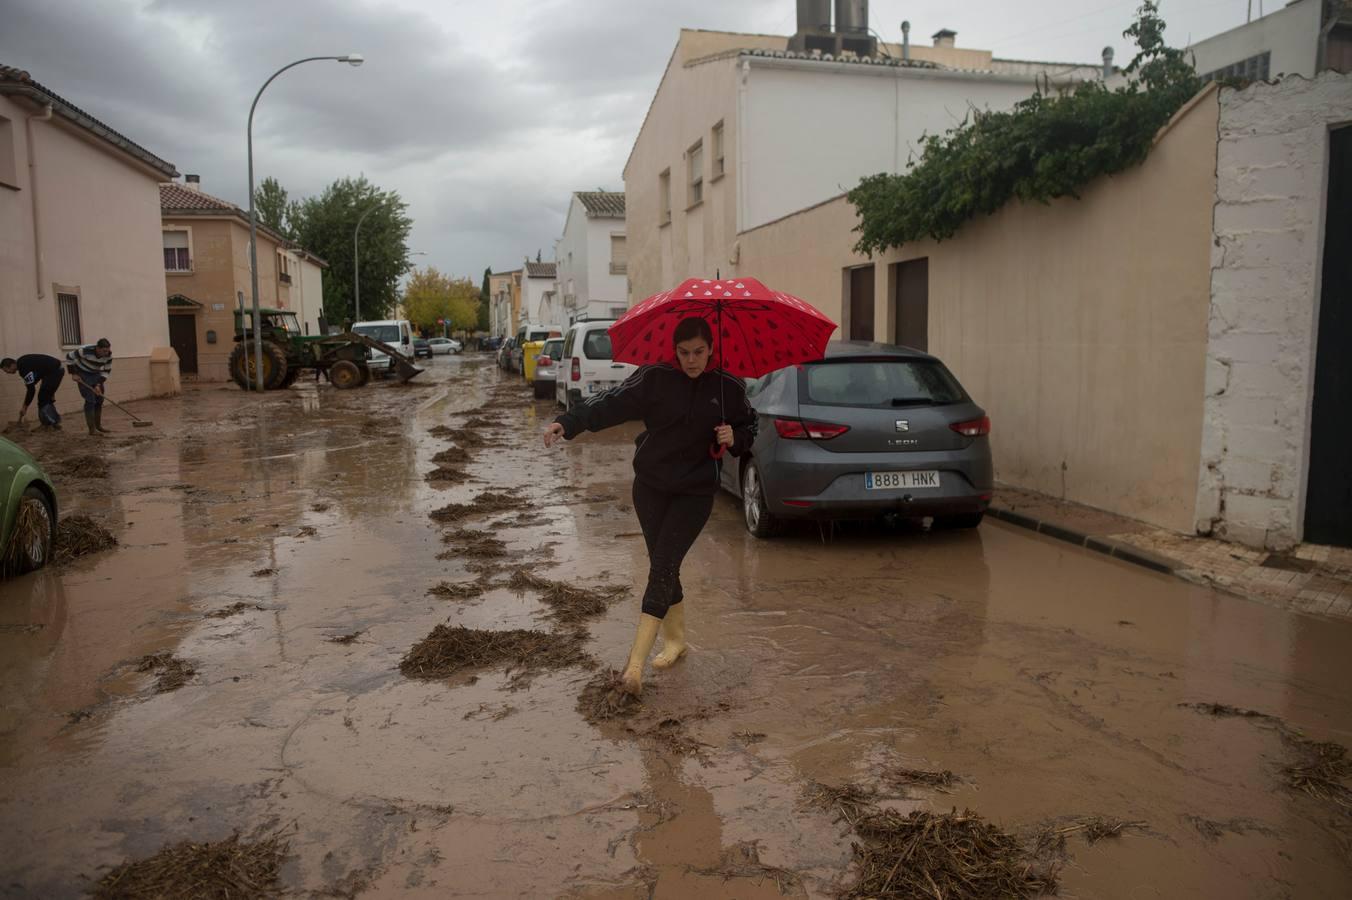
402 687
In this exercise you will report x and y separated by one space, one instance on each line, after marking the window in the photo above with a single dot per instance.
618 311
717 144
619 255
596 345
1255 68
283 268
664 197
695 169
68 313
177 255
9 166
889 384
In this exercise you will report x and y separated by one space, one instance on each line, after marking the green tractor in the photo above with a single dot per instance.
343 358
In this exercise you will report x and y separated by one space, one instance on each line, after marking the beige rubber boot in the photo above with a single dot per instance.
644 638
673 638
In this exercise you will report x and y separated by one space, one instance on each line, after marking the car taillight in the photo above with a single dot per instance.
544 360
576 374
793 429
974 428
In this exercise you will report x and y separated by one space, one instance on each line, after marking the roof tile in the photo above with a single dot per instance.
603 204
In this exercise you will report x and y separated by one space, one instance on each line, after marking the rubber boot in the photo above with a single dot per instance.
673 638
98 420
644 638
89 421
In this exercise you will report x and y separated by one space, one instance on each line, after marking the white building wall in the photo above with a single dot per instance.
570 255
1271 170
811 130
604 290
307 291
537 307
1290 34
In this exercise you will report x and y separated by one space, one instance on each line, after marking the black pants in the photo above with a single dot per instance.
47 413
670 524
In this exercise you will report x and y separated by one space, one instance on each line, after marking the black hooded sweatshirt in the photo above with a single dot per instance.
679 414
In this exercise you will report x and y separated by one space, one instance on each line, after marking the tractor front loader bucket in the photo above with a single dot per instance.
403 366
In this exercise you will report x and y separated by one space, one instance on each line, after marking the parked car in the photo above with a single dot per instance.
547 366
397 333
524 335
871 429
505 354
590 369
444 346
421 347
28 513
491 344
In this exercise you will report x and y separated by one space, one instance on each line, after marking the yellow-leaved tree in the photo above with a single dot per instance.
431 297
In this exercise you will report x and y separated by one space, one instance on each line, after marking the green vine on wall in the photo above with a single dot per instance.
1047 146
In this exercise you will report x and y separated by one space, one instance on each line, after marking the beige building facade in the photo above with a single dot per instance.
742 131
79 243
1081 326
205 242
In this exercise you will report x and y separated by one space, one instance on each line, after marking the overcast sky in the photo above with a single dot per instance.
484 116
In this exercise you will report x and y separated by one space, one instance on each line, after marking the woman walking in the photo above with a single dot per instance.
687 410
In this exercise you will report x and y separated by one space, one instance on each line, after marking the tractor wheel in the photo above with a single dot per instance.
345 374
242 366
365 374
292 373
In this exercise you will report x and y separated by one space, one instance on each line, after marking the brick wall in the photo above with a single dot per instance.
1272 152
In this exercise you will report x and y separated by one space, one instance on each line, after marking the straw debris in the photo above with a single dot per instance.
742 860
850 802
83 466
219 870
1224 711
1321 770
453 456
487 503
604 698
451 649
447 473
1095 829
947 855
567 603
476 544
79 536
172 672
232 610
465 590
903 777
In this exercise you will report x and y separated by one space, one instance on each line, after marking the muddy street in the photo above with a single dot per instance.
288 643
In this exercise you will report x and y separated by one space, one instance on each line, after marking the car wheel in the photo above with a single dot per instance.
755 510
966 520
30 547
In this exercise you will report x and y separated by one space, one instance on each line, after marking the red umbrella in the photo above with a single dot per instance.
756 330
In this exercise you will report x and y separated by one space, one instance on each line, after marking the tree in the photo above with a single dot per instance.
325 225
274 209
485 300
431 296
1047 146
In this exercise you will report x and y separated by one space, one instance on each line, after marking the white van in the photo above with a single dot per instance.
587 369
398 333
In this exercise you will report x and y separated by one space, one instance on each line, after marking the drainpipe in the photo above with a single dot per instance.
743 129
38 274
1321 49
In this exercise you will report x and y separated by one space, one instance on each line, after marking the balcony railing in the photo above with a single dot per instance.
284 277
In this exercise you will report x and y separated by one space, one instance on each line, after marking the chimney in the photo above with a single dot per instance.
192 182
1107 63
814 28
944 37
905 40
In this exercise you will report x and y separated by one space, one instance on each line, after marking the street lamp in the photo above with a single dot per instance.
356 279
352 59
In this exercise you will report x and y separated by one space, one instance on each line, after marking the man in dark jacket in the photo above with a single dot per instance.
38 369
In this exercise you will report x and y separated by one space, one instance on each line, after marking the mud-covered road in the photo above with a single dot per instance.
281 553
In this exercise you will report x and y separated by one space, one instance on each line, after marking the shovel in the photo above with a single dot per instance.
136 422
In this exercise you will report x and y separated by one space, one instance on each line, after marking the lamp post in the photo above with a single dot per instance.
352 59
356 269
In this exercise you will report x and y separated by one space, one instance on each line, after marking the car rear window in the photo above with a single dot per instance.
596 345
882 383
553 349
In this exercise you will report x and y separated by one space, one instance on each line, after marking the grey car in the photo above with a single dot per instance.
869 430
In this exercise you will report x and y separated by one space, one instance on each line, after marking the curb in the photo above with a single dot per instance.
1106 546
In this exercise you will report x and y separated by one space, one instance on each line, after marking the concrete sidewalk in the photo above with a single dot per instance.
1310 578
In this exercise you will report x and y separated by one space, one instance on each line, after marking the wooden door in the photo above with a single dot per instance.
912 304
861 303
183 338
1328 497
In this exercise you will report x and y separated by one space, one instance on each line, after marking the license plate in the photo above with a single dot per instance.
596 387
894 481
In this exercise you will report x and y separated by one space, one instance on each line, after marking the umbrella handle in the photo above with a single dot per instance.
717 451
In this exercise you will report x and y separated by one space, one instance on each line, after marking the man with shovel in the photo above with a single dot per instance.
38 369
90 365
